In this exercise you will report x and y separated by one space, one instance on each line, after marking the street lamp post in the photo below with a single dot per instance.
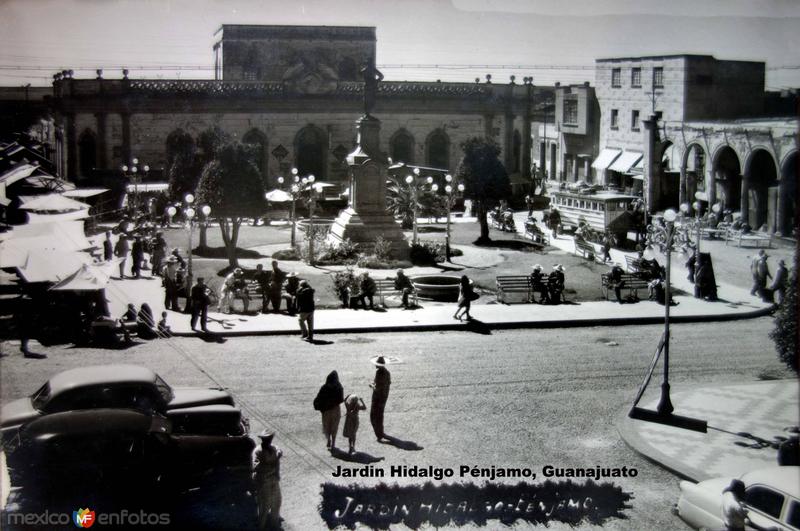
295 192
133 175
449 191
190 214
412 193
313 192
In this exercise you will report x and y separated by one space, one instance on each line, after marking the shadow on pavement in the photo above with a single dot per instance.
478 327
211 337
320 342
410 446
357 457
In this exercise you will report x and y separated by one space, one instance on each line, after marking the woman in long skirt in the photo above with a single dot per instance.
465 297
327 401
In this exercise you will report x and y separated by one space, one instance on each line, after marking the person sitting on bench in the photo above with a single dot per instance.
403 284
615 281
290 287
368 289
556 284
539 284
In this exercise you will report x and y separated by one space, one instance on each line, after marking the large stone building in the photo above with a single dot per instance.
682 128
294 91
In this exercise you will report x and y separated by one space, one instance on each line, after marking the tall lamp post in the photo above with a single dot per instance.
313 192
294 191
450 199
133 175
696 225
190 214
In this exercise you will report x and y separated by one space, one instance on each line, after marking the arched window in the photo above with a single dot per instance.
310 151
257 142
87 153
438 150
402 147
348 70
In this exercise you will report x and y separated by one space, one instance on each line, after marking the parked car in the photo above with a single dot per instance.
772 498
124 421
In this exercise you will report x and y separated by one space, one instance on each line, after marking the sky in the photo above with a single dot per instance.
451 40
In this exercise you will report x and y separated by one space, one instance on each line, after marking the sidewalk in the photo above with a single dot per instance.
763 410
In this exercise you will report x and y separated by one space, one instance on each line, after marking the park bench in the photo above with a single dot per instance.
585 248
757 239
507 285
633 283
385 287
536 237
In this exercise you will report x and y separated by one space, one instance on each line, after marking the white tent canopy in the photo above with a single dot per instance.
61 236
625 162
87 278
605 158
51 266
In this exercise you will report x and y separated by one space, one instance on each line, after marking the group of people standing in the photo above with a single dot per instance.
759 269
331 395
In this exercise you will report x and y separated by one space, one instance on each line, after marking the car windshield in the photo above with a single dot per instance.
39 398
164 390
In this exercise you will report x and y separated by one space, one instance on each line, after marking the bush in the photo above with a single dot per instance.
345 252
286 254
345 283
383 249
372 262
427 253
785 332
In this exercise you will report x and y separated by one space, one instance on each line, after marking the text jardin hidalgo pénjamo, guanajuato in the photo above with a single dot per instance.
458 504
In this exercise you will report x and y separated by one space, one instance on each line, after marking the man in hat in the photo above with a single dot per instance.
108 247
403 284
262 278
200 301
291 286
171 285
615 281
539 285
137 256
276 286
158 253
380 394
121 251
779 281
762 273
556 283
266 480
234 285
305 309
754 264
368 289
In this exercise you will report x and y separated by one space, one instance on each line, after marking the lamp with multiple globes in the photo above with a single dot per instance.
135 177
190 215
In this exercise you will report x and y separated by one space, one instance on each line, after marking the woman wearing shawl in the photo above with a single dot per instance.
327 401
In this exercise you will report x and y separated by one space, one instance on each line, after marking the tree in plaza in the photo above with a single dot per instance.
785 332
182 164
484 176
231 185
402 201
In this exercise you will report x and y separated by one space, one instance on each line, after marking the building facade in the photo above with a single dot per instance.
294 92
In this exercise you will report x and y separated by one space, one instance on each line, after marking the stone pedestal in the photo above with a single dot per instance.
366 216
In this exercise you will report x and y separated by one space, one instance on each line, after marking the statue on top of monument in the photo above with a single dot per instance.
372 76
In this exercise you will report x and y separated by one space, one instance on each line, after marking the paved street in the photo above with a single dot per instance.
456 396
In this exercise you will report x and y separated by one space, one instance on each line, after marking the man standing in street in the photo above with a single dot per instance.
305 310
754 272
137 256
555 221
276 286
171 285
200 301
763 275
121 251
380 394
267 482
108 247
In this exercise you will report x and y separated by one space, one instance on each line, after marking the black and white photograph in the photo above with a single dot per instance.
423 264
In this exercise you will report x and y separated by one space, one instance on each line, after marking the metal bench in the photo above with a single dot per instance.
385 288
743 240
507 285
537 237
633 283
586 249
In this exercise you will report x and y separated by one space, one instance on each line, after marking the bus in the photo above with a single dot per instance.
602 210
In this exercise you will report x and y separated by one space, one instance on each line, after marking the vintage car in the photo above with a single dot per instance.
117 419
772 497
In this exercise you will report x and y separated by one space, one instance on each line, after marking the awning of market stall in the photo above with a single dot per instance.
89 277
625 162
605 158
51 266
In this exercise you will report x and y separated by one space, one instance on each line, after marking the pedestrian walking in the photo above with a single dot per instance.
403 284
276 286
267 482
137 256
607 248
763 275
754 272
779 281
555 221
529 202
200 299
352 405
108 247
327 401
380 394
158 253
305 310
466 295
262 278
368 289
121 250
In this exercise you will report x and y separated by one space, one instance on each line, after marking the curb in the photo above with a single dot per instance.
478 326
629 436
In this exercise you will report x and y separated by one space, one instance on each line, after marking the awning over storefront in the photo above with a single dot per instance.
626 161
141 188
606 157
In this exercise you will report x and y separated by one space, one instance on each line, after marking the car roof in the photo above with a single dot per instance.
87 422
783 478
98 375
